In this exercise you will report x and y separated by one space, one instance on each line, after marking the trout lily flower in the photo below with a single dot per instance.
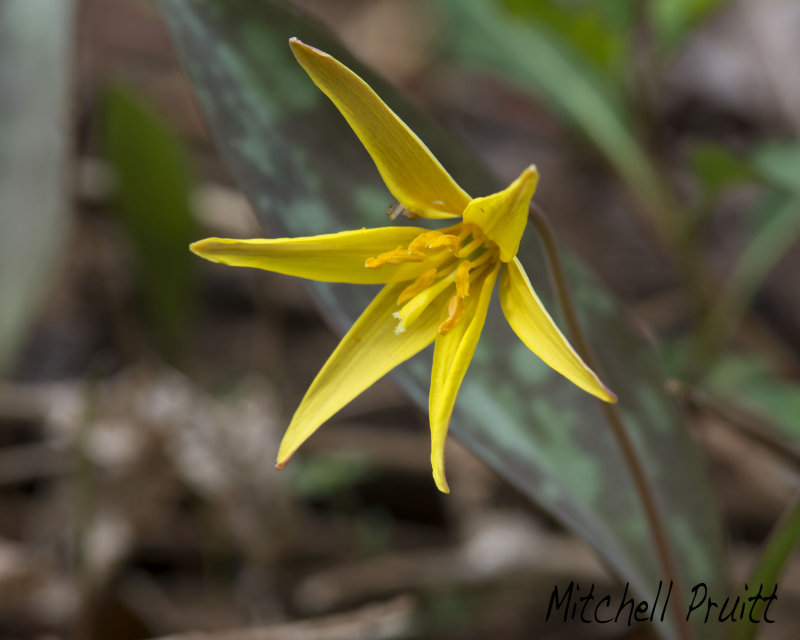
437 283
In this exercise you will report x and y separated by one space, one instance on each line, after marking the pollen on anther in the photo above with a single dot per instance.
399 329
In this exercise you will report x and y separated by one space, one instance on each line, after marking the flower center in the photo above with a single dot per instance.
467 256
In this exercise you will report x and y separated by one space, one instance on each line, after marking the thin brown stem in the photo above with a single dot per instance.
614 419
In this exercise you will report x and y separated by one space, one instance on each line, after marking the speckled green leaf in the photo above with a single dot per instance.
306 173
35 65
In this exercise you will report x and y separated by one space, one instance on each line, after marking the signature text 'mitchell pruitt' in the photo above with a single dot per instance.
586 605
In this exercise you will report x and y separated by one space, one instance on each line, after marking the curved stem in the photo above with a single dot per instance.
614 419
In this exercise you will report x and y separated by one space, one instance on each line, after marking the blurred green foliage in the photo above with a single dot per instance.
36 41
599 31
770 566
153 202
673 20
550 65
717 169
322 476
752 384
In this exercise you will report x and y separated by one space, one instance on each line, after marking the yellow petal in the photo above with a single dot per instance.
451 357
409 169
534 326
336 257
502 216
366 353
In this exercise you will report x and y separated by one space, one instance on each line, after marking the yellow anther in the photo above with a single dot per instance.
452 243
418 286
462 279
424 240
435 240
455 312
395 256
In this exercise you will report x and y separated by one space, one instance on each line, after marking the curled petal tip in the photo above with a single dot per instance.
441 482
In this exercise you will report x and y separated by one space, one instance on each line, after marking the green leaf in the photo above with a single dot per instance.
36 39
306 173
774 223
748 383
770 565
153 201
775 229
673 19
779 162
600 30
536 61
717 168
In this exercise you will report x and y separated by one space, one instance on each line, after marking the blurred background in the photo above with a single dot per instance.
145 391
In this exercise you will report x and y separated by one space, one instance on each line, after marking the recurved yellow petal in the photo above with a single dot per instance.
411 172
534 326
335 257
451 357
366 353
502 216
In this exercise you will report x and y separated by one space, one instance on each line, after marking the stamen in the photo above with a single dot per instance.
395 256
452 243
455 311
483 258
435 240
423 240
419 285
462 279
412 309
470 248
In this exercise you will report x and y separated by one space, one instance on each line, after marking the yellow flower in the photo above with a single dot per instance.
437 283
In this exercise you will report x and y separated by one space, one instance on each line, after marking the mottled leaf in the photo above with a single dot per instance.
306 173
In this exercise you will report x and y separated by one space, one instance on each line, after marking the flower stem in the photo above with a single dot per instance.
614 419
